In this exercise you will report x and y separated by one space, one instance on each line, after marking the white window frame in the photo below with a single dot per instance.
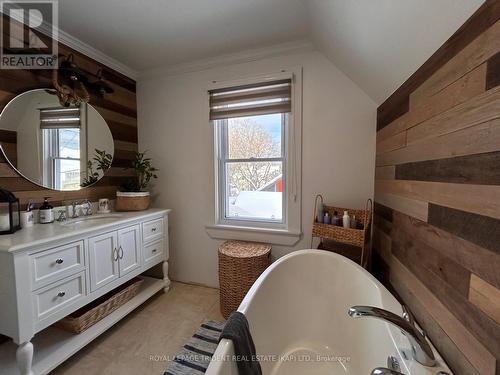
221 133
288 231
51 140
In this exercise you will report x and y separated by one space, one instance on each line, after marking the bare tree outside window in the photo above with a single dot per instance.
249 139
252 166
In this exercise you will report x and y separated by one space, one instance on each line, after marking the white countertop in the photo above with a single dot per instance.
40 234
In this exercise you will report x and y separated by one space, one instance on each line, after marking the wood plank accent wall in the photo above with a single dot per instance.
437 195
118 109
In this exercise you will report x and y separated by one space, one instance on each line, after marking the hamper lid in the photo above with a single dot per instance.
244 249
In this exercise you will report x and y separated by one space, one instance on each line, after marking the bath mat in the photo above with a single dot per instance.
195 356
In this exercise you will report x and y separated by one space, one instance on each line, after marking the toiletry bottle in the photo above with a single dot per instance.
336 219
326 218
319 214
353 222
46 212
346 220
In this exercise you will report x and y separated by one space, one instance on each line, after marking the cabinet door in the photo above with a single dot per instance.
129 249
103 259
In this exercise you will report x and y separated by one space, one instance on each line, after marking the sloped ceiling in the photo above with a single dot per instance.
377 43
380 43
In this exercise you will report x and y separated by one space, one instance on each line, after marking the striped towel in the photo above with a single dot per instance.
195 356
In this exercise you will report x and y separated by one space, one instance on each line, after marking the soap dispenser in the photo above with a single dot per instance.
46 212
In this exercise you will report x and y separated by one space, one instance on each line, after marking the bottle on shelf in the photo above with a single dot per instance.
326 218
353 222
346 220
336 219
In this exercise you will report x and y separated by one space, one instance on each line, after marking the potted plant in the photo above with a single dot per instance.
132 195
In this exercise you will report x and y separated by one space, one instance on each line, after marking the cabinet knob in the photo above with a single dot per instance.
115 254
120 252
153 251
153 229
61 294
59 261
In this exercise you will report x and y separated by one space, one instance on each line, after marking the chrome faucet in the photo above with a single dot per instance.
87 207
392 368
421 350
385 371
74 211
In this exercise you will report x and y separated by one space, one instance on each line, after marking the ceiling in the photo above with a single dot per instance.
377 43
151 33
380 43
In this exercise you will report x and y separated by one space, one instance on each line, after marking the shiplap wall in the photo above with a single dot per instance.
118 109
437 193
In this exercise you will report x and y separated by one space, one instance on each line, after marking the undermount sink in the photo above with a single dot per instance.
92 218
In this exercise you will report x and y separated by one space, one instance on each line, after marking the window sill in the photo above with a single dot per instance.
272 236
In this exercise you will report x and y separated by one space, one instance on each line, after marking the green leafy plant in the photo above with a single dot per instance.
144 172
103 161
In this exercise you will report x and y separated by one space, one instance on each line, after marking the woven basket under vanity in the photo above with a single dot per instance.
89 315
240 264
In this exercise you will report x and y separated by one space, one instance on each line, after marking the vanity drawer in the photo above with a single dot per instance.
153 253
152 230
56 297
54 264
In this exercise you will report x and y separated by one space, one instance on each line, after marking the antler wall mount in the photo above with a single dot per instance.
73 85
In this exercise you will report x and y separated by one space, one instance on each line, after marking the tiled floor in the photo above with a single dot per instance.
141 342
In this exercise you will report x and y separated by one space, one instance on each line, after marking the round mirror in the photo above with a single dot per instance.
60 148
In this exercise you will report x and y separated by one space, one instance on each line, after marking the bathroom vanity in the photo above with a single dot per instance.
49 271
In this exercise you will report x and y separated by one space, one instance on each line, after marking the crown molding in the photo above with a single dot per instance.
69 40
297 46
82 47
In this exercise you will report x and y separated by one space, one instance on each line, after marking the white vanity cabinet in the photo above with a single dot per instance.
102 259
129 254
49 271
113 255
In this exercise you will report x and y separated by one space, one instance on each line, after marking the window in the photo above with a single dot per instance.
256 172
64 157
252 172
61 147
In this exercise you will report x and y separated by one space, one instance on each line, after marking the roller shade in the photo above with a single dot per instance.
251 100
59 118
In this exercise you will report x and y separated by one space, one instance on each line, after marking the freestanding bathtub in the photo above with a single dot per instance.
297 311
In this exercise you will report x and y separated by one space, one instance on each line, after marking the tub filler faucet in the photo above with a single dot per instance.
421 350
391 369
385 371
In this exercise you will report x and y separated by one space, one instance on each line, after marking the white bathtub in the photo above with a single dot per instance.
297 311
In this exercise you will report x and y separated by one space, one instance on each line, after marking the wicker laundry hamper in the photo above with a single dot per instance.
240 264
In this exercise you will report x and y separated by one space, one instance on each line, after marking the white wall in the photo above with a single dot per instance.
338 151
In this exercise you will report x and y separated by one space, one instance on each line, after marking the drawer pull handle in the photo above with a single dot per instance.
120 252
61 294
153 229
153 251
59 261
115 254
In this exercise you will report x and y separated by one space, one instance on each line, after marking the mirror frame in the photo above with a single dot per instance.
19 172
